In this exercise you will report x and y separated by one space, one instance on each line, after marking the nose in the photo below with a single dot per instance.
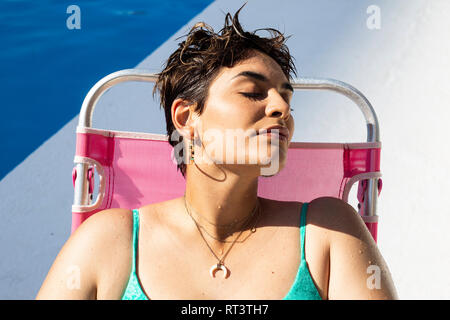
277 106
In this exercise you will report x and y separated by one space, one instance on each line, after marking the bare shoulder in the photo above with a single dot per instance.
322 215
339 221
339 218
357 267
105 228
114 221
330 207
75 272
325 216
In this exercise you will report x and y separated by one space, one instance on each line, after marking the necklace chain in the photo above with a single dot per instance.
225 226
212 251
249 217
253 230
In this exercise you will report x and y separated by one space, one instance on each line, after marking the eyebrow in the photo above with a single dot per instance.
261 77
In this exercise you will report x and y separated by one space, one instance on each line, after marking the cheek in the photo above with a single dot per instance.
227 113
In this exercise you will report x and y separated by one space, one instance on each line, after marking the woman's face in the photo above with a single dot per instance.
242 101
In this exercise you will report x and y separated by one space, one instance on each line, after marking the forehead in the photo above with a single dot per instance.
257 62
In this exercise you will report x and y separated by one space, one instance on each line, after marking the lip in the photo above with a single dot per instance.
283 131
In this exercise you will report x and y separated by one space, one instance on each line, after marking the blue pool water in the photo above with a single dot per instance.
47 69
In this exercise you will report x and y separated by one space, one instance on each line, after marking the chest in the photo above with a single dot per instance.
263 266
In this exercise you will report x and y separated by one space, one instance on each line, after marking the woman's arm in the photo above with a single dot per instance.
74 273
357 268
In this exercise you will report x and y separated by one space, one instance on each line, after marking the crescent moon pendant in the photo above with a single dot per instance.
219 266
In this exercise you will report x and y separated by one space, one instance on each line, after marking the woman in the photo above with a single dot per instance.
220 240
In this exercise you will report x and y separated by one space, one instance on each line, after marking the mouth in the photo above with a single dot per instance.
275 132
273 135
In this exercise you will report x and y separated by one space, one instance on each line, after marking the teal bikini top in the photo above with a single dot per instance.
303 287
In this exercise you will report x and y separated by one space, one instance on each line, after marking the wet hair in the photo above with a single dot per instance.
190 70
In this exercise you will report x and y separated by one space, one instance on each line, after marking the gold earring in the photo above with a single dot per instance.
191 151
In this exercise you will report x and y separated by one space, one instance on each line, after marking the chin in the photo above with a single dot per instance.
273 167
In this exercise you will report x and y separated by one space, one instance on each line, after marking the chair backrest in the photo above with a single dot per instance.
139 168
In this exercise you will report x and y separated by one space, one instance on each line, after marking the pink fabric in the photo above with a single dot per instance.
140 171
358 161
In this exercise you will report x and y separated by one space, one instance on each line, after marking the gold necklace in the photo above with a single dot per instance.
220 265
253 229
229 226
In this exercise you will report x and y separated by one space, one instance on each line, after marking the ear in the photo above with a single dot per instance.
182 111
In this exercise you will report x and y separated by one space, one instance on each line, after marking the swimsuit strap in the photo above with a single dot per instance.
135 237
303 227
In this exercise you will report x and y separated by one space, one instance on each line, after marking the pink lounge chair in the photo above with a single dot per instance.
136 168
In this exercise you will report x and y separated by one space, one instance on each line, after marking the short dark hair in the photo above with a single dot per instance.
190 70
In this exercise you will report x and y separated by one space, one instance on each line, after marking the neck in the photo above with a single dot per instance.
222 199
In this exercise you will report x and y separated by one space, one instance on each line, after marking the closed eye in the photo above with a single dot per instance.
255 96
252 95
